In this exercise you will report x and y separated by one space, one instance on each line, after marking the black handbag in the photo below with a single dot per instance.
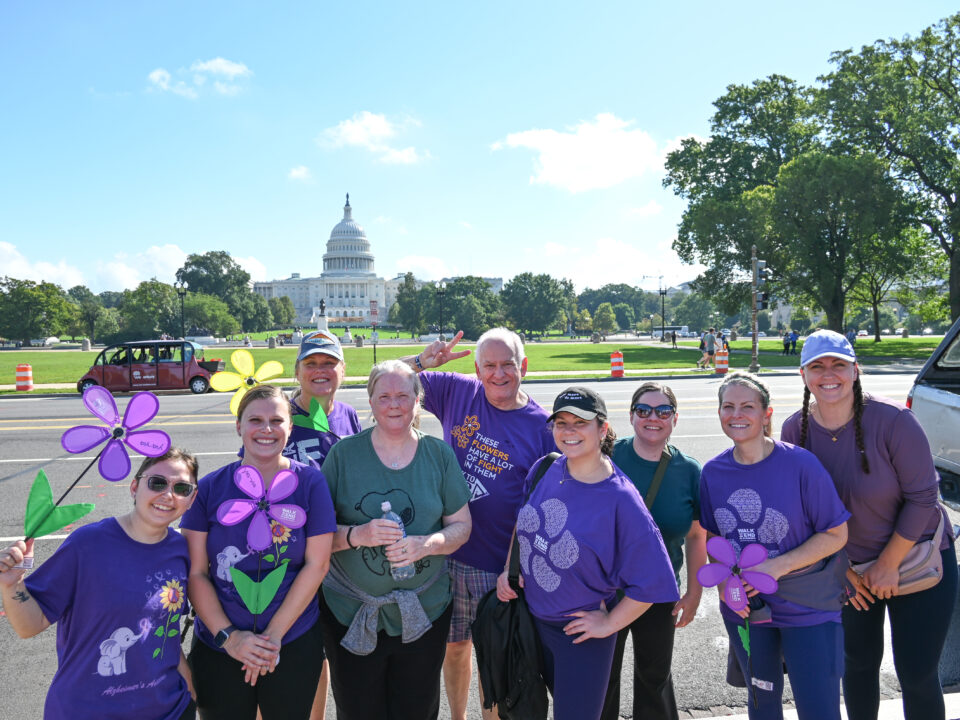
509 659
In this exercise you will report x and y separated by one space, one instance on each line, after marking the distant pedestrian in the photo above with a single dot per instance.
673 339
794 336
786 342
709 349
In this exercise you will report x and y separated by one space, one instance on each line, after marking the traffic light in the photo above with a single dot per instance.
763 272
763 300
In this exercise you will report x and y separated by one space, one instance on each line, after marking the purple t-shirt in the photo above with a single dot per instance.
306 444
227 546
899 494
780 502
117 604
581 542
495 449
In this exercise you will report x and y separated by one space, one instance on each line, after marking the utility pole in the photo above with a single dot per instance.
760 300
754 364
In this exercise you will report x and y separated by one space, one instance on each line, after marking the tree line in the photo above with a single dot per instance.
218 301
849 189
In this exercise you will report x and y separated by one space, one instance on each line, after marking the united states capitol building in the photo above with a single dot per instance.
348 285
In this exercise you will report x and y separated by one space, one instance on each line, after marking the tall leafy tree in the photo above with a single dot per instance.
89 309
605 320
32 310
205 311
259 318
217 273
148 310
409 309
532 302
282 310
901 100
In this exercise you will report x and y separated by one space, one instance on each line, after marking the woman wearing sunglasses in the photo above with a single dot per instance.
117 588
572 565
673 500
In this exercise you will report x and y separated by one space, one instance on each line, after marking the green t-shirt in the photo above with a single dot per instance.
677 503
427 489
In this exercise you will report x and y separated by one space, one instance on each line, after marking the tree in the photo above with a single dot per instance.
469 316
409 309
260 318
584 321
205 311
694 310
148 310
282 310
110 298
625 316
755 130
605 320
901 99
472 317
89 308
532 302
32 310
216 273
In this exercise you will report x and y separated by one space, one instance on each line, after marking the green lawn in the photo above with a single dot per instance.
58 366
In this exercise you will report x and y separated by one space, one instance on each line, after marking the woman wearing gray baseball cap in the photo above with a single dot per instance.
881 464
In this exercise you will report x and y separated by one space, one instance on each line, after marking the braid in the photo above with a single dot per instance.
805 416
858 425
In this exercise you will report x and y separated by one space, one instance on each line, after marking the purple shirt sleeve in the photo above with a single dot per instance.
911 458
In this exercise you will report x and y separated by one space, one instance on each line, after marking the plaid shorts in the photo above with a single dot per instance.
468 585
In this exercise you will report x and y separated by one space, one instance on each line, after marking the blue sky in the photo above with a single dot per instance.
484 138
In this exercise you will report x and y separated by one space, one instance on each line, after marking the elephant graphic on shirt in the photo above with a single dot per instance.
226 559
113 651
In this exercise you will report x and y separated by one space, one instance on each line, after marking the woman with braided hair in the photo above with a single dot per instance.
881 464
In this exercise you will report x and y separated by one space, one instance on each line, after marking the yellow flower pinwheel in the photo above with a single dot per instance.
245 378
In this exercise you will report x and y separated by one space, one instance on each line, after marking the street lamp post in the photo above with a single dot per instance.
441 291
663 314
181 288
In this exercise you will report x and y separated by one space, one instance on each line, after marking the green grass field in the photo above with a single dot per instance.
61 366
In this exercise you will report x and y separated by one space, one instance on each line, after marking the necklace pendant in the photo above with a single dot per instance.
395 464
834 438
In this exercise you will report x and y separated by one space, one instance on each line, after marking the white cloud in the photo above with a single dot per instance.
257 270
372 132
199 72
425 267
16 265
589 156
649 210
300 172
464 223
125 271
221 66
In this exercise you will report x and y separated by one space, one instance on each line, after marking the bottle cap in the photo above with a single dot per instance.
385 506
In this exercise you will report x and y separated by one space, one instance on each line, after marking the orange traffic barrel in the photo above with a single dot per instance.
24 377
721 362
616 364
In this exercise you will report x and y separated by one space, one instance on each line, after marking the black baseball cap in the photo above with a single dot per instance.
579 401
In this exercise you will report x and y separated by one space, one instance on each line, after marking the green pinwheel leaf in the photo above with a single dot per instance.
745 637
42 517
257 595
315 420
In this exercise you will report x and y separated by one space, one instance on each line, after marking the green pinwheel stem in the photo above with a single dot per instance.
315 419
43 516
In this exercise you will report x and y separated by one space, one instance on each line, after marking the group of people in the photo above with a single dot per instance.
789 339
297 579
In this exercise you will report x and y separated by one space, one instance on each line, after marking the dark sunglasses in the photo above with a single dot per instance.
663 411
158 484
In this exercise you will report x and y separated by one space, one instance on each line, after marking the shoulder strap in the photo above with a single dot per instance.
514 573
657 479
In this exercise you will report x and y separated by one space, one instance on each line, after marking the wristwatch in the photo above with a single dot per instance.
221 637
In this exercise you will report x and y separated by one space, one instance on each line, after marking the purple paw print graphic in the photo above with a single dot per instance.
553 547
744 520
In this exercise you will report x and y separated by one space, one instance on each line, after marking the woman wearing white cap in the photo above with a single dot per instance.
881 464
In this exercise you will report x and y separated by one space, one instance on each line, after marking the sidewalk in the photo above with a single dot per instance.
889 710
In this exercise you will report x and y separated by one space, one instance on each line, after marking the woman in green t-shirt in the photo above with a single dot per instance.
385 638
675 506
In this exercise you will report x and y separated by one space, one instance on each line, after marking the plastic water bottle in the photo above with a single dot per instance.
397 573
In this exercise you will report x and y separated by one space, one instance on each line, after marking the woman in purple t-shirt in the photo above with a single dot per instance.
572 565
117 591
779 496
882 466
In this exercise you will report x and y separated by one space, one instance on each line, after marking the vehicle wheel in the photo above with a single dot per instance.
85 384
199 385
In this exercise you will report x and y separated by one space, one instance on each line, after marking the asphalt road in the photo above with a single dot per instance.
30 430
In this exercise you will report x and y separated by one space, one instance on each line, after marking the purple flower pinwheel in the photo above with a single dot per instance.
262 503
114 461
728 566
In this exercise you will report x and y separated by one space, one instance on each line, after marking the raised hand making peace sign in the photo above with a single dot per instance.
437 353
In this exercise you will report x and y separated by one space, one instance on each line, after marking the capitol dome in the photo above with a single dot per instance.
348 250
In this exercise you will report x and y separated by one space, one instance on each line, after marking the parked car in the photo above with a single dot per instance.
151 365
935 399
862 333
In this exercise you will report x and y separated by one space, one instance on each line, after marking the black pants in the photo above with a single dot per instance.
653 697
396 681
285 694
918 629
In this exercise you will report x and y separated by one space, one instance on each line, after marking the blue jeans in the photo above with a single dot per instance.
814 658
577 675
918 627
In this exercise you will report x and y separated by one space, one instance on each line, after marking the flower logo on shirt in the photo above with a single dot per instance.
171 599
553 547
280 535
464 432
744 520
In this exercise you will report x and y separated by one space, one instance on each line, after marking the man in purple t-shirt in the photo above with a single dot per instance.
497 432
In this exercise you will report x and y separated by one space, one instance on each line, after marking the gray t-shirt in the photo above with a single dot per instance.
710 342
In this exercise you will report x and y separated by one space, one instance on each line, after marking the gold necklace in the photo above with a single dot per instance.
832 433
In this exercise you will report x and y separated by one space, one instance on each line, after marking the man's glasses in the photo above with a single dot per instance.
664 412
159 484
